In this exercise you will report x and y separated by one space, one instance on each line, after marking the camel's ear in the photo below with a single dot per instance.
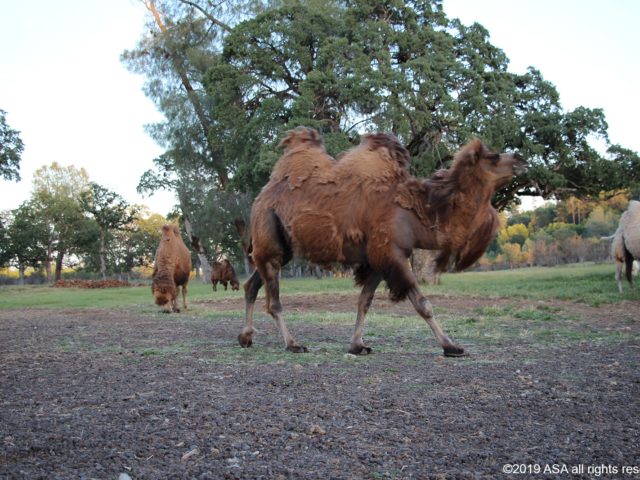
473 150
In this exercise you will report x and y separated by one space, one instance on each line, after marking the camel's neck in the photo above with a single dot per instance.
452 228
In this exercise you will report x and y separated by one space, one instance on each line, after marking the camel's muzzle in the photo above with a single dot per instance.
521 165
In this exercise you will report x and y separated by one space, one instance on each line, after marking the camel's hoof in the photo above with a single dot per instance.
455 351
361 351
297 349
245 340
177 310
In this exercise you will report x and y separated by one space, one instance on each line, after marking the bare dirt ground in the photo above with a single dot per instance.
97 393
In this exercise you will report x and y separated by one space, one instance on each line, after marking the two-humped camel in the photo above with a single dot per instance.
366 210
171 270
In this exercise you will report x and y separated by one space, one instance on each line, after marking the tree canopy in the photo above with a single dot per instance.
231 78
11 148
110 212
402 67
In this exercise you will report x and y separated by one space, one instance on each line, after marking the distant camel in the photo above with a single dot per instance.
224 273
625 246
368 211
171 269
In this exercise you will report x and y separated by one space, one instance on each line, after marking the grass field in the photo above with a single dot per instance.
593 284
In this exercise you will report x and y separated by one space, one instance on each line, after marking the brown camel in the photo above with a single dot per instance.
224 273
172 268
368 211
181 274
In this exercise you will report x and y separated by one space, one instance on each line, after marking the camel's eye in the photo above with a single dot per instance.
495 158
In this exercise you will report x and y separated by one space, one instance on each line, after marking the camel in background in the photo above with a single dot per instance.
224 273
171 270
367 210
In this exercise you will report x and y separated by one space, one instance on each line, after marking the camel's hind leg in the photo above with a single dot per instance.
628 260
251 288
370 283
271 279
184 296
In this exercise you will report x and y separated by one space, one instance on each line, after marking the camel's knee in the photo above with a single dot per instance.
425 309
274 307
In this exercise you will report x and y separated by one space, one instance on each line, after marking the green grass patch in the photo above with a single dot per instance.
589 283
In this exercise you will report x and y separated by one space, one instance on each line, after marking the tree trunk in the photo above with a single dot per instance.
318 272
59 265
195 244
102 264
178 63
47 264
249 267
423 265
21 269
197 268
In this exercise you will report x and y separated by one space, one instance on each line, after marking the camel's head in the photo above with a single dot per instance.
163 297
493 169
235 285
167 233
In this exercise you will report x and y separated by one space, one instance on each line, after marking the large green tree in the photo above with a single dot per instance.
56 191
402 67
26 237
11 148
180 44
135 245
110 212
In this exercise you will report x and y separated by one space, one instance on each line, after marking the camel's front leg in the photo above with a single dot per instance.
275 307
424 308
364 302
174 301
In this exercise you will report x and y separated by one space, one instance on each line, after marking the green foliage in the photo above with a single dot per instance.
110 212
346 68
517 234
26 237
11 148
601 223
405 68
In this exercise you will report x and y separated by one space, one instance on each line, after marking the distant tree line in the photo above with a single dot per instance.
70 221
568 231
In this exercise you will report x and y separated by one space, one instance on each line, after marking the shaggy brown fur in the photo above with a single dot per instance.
172 267
367 210
224 272
183 271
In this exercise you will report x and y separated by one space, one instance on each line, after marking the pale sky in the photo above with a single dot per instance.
63 87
